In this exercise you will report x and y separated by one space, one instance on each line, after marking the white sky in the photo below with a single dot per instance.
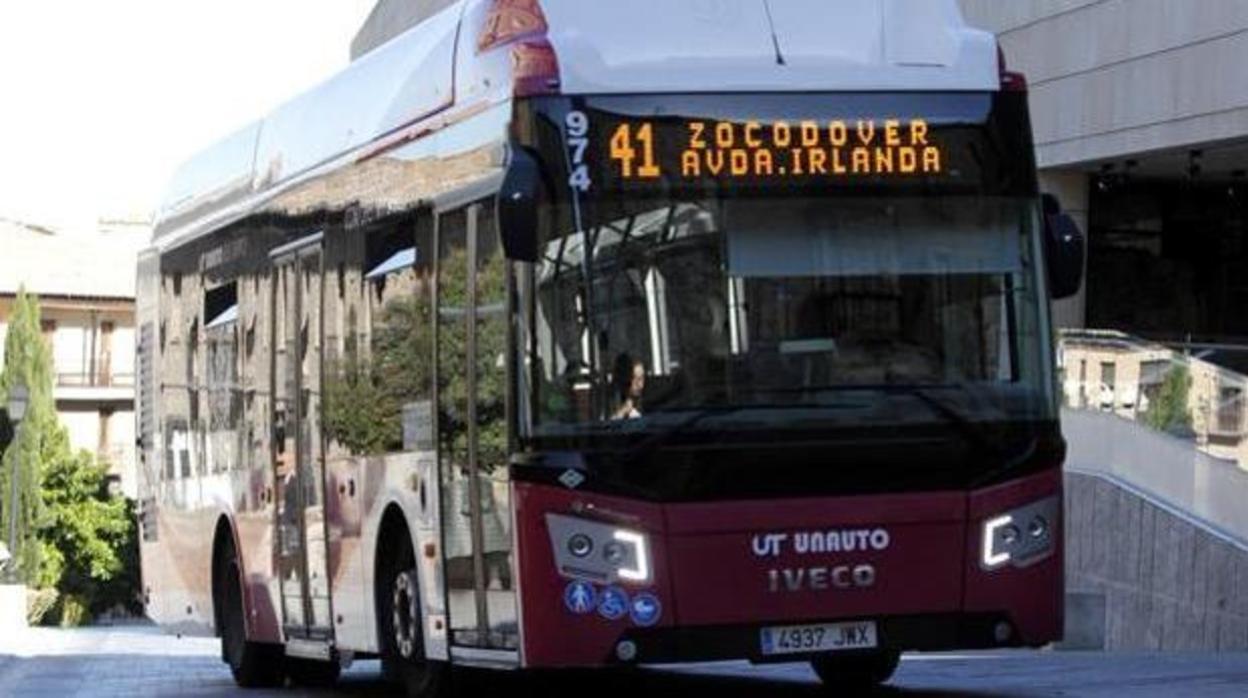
100 100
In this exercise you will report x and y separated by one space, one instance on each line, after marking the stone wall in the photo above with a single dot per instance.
1141 577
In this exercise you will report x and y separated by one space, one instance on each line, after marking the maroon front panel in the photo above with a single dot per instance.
1033 596
816 559
553 635
789 561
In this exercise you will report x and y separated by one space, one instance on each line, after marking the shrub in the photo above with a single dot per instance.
1168 412
74 611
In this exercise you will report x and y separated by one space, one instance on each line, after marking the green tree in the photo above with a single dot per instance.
74 536
364 400
36 441
1169 410
365 392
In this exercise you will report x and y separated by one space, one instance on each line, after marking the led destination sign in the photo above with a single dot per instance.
605 150
774 151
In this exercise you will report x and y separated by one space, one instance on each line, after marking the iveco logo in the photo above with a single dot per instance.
808 544
821 578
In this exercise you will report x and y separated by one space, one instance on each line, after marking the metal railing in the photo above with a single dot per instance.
73 379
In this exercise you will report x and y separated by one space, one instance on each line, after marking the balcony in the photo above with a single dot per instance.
97 380
102 386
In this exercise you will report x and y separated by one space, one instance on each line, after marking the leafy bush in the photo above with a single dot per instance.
94 532
74 611
1169 412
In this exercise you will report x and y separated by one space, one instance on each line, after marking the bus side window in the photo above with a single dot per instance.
472 427
378 337
223 395
180 375
255 315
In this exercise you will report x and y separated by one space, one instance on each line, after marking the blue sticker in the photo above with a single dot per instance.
614 603
645 610
580 598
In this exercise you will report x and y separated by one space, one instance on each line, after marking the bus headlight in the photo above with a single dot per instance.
639 570
580 545
624 554
1020 537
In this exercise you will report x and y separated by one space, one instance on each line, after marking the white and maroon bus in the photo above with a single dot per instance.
558 333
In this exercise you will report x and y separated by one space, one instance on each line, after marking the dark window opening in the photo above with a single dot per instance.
221 306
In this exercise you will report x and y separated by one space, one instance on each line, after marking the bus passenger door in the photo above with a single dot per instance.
472 429
298 459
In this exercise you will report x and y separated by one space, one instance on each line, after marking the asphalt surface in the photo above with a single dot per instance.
140 661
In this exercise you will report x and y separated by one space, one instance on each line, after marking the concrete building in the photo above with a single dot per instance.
85 285
1140 111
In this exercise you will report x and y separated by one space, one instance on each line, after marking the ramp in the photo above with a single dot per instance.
1156 540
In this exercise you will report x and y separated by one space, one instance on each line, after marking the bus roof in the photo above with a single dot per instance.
641 46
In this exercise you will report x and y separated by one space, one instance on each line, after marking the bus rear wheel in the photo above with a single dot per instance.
253 664
399 624
855 672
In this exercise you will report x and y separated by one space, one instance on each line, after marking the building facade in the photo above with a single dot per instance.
1140 111
85 285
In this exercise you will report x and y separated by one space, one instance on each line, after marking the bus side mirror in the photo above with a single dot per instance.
517 206
1063 250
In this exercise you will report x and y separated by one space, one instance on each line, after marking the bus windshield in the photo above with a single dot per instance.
768 313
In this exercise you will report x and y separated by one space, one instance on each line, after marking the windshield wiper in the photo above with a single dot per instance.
974 433
684 426
654 441
970 430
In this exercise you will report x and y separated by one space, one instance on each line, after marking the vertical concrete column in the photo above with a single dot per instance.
12 607
1073 189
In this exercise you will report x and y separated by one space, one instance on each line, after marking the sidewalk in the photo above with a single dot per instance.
136 661
109 661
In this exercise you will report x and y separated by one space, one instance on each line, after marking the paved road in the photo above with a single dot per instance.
135 662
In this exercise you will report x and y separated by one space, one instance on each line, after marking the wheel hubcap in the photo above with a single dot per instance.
406 614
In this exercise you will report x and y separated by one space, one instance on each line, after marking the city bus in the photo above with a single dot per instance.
555 334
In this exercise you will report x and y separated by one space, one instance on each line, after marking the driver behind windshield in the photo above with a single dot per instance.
629 381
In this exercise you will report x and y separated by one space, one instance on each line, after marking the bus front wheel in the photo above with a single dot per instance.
253 664
399 624
856 672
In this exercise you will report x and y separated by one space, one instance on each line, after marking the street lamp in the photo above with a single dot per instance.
19 398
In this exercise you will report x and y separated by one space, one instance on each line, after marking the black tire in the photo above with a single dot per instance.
402 650
253 664
854 673
311 673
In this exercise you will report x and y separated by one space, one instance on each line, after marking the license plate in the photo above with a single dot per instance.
829 637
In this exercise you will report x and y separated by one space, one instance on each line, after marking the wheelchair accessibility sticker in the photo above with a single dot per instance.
613 605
